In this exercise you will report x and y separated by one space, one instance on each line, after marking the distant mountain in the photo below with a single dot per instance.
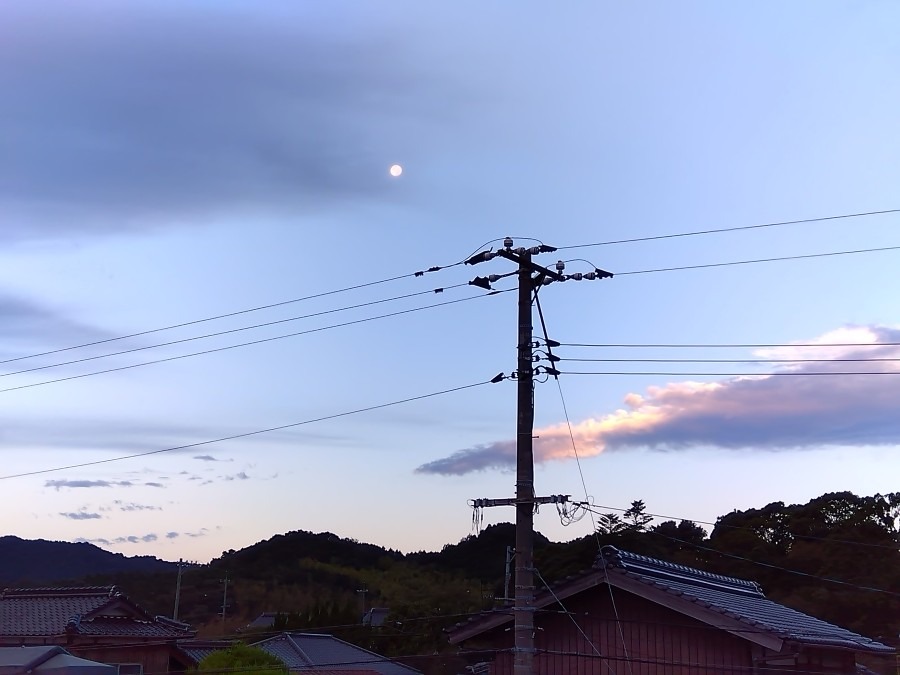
25 562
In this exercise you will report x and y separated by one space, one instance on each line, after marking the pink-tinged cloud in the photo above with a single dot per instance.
758 412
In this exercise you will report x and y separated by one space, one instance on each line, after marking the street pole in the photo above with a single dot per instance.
531 278
178 590
523 610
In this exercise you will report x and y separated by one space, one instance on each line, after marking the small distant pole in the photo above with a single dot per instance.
177 590
362 596
224 600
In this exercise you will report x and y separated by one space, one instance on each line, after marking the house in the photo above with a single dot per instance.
643 616
326 653
49 659
93 622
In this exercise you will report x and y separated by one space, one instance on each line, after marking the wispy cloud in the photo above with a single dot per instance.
759 412
210 458
240 475
131 506
81 515
172 535
58 484
126 539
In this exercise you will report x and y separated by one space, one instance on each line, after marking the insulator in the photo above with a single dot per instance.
577 276
520 250
560 266
493 277
547 281
590 276
534 250
507 242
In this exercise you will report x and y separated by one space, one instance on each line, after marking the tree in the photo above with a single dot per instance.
636 518
243 658
610 523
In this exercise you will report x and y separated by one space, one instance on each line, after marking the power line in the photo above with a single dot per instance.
749 529
728 229
212 318
249 310
869 360
233 330
250 433
732 345
709 374
758 260
252 342
777 567
772 566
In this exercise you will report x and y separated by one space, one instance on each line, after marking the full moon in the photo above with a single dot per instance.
396 170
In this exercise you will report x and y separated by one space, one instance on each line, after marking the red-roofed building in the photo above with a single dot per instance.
93 622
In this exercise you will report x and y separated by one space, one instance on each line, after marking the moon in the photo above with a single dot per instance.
396 170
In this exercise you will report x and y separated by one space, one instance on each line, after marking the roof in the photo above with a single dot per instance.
81 610
728 602
264 620
197 650
49 659
47 611
326 653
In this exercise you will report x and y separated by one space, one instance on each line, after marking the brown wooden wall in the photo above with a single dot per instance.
654 640
153 657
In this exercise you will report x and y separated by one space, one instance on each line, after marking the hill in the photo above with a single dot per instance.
25 562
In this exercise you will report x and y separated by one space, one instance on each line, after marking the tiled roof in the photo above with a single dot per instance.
740 600
735 598
197 650
89 610
46 611
326 653
125 626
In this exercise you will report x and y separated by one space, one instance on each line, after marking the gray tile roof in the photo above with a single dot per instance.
310 651
89 610
47 611
736 598
197 650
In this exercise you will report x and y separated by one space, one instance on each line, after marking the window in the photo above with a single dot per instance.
131 669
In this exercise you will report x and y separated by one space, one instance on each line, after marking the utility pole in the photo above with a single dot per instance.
178 589
224 600
531 278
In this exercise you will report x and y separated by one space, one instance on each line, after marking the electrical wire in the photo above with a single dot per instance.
864 360
572 617
700 547
749 529
252 342
249 310
212 318
728 229
776 567
245 434
233 330
758 260
732 374
733 345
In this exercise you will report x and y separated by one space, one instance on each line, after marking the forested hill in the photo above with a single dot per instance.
836 557
35 562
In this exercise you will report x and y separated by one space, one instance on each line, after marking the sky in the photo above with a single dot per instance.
162 163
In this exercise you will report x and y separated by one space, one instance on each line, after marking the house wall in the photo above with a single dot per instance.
154 658
654 640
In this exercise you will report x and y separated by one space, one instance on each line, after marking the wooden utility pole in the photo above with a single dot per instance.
531 278
524 593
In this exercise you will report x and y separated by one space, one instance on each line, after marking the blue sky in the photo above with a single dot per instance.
166 162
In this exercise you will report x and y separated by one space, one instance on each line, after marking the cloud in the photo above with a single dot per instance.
154 484
210 458
241 475
172 535
758 412
63 483
131 506
127 116
27 327
126 539
81 515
